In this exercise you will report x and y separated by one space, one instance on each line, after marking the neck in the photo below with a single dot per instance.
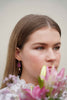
29 79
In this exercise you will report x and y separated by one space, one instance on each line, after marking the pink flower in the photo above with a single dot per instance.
50 78
39 92
36 94
25 94
61 73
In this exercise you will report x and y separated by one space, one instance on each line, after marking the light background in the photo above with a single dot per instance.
12 10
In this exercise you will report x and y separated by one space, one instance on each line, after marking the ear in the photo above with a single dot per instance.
18 54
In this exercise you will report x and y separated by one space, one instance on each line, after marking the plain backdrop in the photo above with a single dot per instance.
12 10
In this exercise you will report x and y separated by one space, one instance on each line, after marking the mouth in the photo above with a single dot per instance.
50 68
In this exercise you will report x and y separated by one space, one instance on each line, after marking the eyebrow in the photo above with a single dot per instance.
38 43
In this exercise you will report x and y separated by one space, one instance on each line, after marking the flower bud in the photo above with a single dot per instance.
43 72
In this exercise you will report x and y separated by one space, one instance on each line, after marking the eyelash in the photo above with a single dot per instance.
41 48
57 48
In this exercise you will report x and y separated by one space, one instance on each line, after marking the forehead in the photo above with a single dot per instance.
45 35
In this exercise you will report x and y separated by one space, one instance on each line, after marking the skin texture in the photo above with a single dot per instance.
42 48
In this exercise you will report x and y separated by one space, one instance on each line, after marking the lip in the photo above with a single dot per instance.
50 67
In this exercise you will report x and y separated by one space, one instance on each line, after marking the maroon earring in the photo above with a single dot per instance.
19 65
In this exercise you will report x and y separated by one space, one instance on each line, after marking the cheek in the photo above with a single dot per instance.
31 59
58 57
36 59
34 62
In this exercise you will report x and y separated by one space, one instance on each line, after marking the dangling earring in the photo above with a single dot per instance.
19 68
19 65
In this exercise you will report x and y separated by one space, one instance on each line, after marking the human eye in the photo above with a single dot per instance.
39 48
56 48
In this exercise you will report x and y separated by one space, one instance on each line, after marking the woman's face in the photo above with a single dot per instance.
42 48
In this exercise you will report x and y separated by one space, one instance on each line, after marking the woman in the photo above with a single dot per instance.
34 42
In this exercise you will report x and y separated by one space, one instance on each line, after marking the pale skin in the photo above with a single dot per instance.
42 48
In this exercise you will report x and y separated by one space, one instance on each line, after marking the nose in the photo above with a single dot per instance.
50 55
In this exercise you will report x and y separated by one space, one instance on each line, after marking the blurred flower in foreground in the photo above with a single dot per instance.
52 86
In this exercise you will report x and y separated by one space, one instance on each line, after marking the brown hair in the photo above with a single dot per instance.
23 29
